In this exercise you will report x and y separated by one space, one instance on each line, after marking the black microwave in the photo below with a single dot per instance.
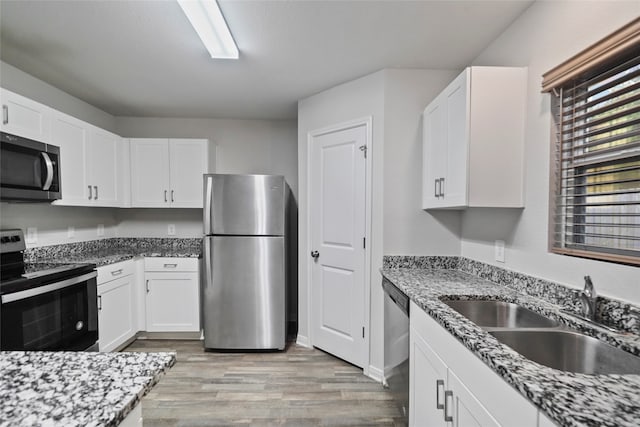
29 170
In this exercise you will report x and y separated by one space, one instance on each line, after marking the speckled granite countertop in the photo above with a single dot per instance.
109 251
75 389
568 399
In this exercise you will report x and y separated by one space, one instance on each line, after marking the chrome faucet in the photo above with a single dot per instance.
588 299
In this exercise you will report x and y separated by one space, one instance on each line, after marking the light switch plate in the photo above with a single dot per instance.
171 230
499 247
32 235
71 232
100 230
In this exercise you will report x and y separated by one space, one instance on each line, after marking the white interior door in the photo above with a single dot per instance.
337 219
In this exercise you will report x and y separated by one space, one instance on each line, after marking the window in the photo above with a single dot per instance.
595 194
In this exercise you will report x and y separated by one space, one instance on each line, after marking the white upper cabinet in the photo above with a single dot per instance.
91 163
168 172
24 117
473 141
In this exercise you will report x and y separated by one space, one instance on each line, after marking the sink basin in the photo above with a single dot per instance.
569 351
500 314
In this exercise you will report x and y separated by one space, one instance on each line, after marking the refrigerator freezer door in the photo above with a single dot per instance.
244 205
244 293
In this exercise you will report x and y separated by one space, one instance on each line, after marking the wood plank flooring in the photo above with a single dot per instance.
297 387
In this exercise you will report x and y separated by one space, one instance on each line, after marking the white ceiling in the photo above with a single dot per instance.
142 58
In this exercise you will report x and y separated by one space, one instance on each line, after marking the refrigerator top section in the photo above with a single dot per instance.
246 205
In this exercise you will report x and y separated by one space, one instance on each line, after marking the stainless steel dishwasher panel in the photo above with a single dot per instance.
396 346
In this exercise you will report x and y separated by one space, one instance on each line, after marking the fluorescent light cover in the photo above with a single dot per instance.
206 18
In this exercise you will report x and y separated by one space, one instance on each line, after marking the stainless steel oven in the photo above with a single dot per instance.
29 170
46 306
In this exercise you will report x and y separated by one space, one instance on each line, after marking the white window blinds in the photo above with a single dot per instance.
596 175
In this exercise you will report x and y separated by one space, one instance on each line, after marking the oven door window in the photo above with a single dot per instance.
57 320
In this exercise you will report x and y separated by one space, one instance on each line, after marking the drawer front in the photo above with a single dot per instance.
170 264
111 272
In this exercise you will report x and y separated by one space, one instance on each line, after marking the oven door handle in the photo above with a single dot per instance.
49 165
17 296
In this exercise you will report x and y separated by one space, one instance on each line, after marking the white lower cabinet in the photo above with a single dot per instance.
134 418
450 386
172 295
115 305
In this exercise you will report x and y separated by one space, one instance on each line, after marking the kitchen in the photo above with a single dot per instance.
535 36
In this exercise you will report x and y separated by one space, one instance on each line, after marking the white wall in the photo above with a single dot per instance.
544 36
243 146
395 100
408 230
24 84
354 100
52 222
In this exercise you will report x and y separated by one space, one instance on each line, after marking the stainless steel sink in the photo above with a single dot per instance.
569 351
499 314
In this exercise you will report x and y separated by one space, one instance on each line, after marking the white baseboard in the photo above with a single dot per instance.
303 341
375 373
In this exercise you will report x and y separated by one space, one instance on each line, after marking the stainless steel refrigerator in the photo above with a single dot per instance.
244 262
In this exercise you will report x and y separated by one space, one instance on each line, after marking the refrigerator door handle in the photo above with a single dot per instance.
207 262
208 190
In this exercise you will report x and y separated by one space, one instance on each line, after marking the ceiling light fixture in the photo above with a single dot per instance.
206 18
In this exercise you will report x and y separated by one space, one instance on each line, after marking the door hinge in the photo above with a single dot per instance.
363 332
364 243
363 148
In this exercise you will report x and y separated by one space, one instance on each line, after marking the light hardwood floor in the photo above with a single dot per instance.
297 387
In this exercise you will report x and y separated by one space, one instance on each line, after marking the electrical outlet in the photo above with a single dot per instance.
71 232
499 247
171 230
100 230
32 235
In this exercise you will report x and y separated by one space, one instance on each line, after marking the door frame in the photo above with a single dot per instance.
367 122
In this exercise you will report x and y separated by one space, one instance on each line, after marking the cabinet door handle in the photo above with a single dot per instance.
435 188
170 265
448 394
172 196
116 272
147 286
99 302
90 192
439 383
96 188
5 114
165 196
441 187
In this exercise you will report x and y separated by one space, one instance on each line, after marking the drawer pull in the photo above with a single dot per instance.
116 272
448 394
439 383
170 265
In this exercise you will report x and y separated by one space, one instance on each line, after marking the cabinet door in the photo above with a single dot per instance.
70 135
172 302
103 160
434 153
188 162
24 117
150 173
115 315
427 383
456 105
463 406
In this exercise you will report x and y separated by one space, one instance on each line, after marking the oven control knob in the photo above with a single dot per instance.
79 325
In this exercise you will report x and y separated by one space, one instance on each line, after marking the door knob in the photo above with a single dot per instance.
315 254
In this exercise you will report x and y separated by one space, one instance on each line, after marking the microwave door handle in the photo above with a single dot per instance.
17 296
49 165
